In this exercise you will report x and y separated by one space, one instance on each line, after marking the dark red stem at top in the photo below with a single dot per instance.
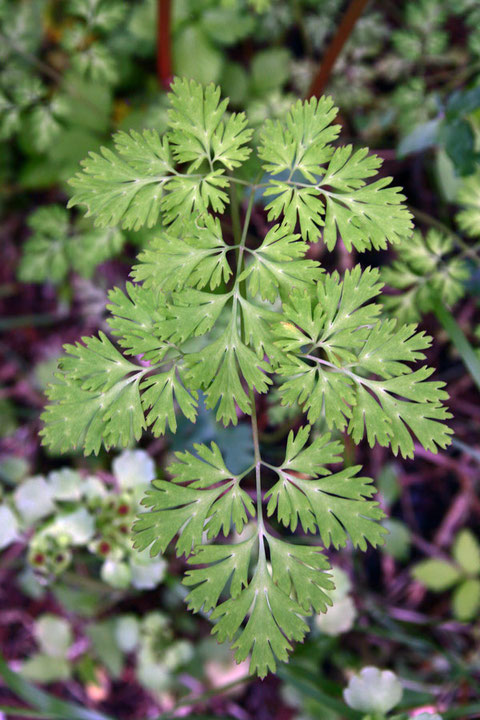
344 31
164 48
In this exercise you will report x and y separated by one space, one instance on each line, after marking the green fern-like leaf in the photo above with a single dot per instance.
96 397
278 265
220 368
197 259
125 187
103 15
101 397
177 508
135 315
335 504
333 347
274 622
213 308
335 200
201 131
138 181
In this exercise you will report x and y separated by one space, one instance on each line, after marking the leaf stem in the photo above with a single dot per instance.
236 290
473 452
341 369
258 463
20 321
248 215
172 359
236 226
256 445
241 248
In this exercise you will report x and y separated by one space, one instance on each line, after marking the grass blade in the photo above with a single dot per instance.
459 341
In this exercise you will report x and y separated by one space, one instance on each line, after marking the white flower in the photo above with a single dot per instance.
147 573
133 468
127 632
373 691
93 488
33 499
8 526
117 574
78 525
65 484
428 716
339 618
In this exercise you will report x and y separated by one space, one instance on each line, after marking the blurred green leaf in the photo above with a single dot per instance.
419 139
458 138
44 668
54 635
398 540
436 574
466 551
127 632
466 600
204 63
234 81
468 197
270 69
447 180
227 25
102 636
388 485
463 102
82 602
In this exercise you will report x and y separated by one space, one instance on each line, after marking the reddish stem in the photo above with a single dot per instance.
344 31
164 53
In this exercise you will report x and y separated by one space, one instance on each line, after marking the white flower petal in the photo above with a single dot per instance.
146 576
8 527
373 691
132 468
339 618
66 484
34 499
78 525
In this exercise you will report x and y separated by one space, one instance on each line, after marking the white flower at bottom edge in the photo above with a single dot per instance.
373 691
